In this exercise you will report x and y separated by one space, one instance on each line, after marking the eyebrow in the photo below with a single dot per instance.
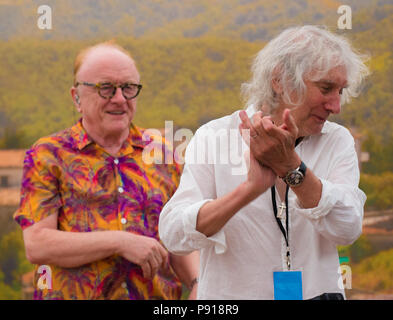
330 82
117 82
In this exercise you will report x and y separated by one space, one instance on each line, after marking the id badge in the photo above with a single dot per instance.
288 285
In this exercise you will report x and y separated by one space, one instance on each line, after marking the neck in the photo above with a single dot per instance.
110 141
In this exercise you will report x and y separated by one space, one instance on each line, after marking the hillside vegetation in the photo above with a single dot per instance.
192 55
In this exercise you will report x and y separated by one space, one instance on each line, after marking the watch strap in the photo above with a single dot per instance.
302 168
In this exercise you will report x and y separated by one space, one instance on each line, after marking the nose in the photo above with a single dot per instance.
334 104
118 97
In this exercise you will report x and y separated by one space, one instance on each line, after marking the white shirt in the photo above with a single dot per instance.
238 261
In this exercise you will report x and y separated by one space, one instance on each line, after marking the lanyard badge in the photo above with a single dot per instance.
287 284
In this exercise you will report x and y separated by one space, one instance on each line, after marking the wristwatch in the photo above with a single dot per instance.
295 177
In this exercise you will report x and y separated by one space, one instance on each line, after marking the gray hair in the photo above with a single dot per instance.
298 53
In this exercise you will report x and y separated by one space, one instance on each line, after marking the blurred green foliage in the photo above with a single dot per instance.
375 274
357 251
379 190
13 264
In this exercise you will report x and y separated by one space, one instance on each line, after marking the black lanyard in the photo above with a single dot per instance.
285 232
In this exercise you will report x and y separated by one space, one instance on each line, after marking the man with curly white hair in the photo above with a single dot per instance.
272 232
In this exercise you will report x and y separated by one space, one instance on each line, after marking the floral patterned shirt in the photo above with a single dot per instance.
91 190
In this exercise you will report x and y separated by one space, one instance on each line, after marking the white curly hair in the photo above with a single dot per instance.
299 53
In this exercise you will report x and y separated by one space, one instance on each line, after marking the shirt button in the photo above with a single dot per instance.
116 161
123 220
120 189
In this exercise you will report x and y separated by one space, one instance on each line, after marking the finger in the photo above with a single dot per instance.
163 255
267 124
289 122
259 113
257 124
245 133
257 116
247 123
270 129
263 124
155 263
146 269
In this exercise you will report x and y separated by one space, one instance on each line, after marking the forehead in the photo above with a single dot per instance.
107 64
335 76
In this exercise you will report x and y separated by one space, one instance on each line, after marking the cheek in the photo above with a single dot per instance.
132 106
316 98
93 109
311 104
302 112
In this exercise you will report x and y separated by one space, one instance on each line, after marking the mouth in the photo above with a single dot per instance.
115 113
319 119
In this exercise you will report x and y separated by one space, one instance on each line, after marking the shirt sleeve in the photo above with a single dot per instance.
339 213
177 225
39 191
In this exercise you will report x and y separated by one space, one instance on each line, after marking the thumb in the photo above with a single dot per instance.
289 123
245 134
247 158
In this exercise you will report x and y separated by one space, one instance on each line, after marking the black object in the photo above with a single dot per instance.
329 296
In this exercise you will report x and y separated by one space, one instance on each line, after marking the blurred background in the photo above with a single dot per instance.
193 56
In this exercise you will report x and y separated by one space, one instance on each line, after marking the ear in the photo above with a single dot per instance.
277 86
76 99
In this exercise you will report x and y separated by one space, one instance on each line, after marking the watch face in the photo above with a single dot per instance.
294 178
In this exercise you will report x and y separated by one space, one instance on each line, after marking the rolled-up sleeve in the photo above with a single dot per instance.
177 224
339 213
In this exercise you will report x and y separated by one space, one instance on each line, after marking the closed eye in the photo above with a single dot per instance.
326 90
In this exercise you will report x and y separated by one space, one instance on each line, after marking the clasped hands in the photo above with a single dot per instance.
272 146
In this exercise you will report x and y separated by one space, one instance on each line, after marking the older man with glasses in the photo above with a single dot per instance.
89 204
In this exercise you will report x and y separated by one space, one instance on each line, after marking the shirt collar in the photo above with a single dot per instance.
135 138
80 136
324 128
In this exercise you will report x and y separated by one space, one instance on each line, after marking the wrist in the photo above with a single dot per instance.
295 178
193 283
292 165
248 191
121 242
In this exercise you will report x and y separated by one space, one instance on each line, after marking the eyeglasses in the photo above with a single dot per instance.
107 90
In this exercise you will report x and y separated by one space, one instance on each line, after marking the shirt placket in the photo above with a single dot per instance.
121 215
120 191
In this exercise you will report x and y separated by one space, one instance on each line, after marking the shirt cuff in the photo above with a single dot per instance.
197 239
328 199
